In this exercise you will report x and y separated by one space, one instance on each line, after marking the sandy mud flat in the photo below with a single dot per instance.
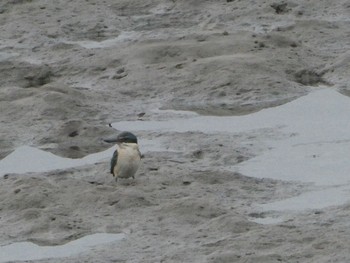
242 113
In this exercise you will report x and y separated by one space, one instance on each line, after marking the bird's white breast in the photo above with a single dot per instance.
128 160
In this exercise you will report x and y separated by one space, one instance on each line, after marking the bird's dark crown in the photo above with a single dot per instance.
126 137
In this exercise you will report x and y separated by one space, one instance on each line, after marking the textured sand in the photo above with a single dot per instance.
68 68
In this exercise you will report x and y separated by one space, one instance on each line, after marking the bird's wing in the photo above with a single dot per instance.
141 156
114 161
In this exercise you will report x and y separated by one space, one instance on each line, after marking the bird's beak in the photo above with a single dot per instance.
111 139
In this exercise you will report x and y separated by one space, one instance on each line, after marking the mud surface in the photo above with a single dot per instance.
69 68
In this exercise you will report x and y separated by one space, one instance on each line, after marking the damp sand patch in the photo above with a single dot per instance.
22 251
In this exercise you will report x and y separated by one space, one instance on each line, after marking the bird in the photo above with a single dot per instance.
127 157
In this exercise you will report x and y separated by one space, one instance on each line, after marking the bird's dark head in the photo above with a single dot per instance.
126 137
